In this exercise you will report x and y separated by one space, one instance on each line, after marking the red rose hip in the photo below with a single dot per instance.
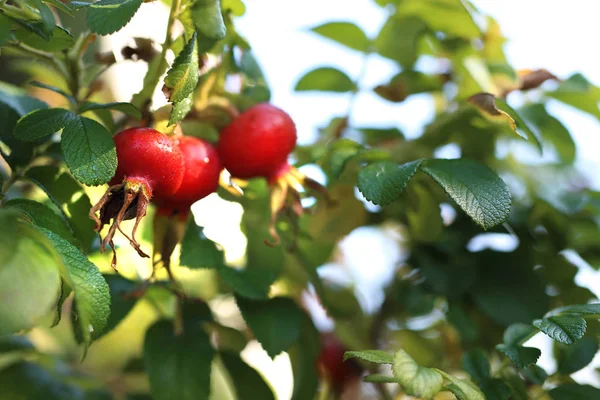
149 163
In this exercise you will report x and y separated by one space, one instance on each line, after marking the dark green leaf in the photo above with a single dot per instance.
572 391
60 40
92 295
416 380
520 355
276 323
374 356
5 28
125 108
476 363
583 310
340 153
466 326
381 183
495 389
246 379
518 333
248 282
42 123
178 366
345 33
121 300
507 289
89 151
326 79
474 187
535 374
198 251
21 104
182 78
43 217
108 16
209 23
562 328
15 343
26 380
180 110
462 388
576 356
303 357
29 274
398 39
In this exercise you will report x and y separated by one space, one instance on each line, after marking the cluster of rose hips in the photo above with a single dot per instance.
174 172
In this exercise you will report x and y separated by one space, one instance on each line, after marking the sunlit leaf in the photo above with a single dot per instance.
325 79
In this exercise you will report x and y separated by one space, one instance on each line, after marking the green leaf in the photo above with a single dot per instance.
535 374
61 6
54 89
182 78
26 380
578 92
462 389
125 108
408 83
178 366
449 16
379 378
246 379
507 288
108 16
414 379
552 130
476 363
236 7
198 251
92 295
276 322
340 153
583 310
60 39
29 274
498 111
518 333
303 357
247 282
180 110
381 183
374 356
496 389
207 18
43 217
89 151
325 79
121 301
520 355
68 195
21 104
42 123
5 28
345 33
572 391
398 39
564 329
474 187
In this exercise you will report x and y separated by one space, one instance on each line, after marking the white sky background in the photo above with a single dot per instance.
548 34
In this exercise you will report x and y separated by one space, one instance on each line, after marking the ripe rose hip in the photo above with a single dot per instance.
256 144
202 168
149 164
332 367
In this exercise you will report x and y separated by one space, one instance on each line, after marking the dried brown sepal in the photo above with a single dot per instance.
531 79
121 202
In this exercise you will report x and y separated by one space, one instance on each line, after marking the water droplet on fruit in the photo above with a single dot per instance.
206 160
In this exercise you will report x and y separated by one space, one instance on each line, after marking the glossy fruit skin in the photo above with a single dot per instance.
258 142
202 167
148 157
331 364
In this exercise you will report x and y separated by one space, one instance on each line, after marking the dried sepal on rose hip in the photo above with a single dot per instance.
202 168
257 144
149 164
